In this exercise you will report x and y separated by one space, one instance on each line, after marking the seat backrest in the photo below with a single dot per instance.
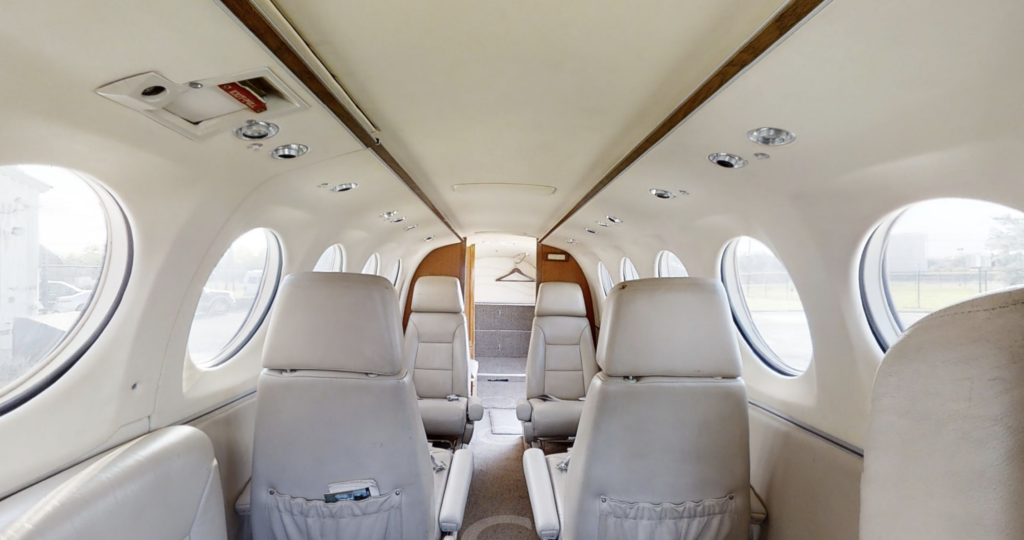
665 422
163 486
436 341
946 432
335 403
560 361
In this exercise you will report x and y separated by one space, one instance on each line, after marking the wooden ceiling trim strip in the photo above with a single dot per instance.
784 22
253 19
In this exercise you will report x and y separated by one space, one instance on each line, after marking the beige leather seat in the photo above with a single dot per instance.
336 408
662 449
437 345
943 457
162 486
559 364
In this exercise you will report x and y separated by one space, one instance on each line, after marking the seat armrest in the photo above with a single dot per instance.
542 494
475 409
524 411
456 491
758 512
243 505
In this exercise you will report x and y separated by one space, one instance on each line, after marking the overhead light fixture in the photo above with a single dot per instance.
728 161
429 238
761 156
410 227
603 224
613 219
571 240
289 151
770 136
397 219
589 230
341 188
663 193
255 130
389 214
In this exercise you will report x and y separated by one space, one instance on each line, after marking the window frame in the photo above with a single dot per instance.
339 257
396 273
264 300
107 295
660 264
626 266
375 261
604 278
743 318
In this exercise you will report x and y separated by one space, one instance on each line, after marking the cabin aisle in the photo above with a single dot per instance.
499 505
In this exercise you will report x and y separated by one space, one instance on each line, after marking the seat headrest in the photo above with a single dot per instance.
335 322
668 327
560 299
437 294
945 422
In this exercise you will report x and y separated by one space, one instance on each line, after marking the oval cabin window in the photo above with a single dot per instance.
668 265
332 260
766 306
236 297
65 252
935 254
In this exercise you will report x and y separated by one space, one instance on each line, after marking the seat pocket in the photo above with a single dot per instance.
375 518
710 519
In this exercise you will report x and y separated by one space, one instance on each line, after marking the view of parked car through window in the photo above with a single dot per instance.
53 242
229 295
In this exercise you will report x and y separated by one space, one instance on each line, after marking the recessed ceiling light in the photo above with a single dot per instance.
770 136
663 193
397 219
341 188
603 224
409 228
571 240
761 155
389 214
289 151
429 238
589 230
613 219
729 161
254 130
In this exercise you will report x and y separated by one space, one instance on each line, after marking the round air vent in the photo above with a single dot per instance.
289 151
728 161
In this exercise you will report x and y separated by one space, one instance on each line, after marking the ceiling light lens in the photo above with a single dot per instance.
770 136
603 224
728 161
589 230
429 238
409 228
663 193
613 219
289 151
397 220
341 188
389 214
254 130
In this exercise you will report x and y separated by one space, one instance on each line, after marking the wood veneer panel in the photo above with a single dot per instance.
444 261
567 270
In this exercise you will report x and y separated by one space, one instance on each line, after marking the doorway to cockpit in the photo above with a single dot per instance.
504 296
